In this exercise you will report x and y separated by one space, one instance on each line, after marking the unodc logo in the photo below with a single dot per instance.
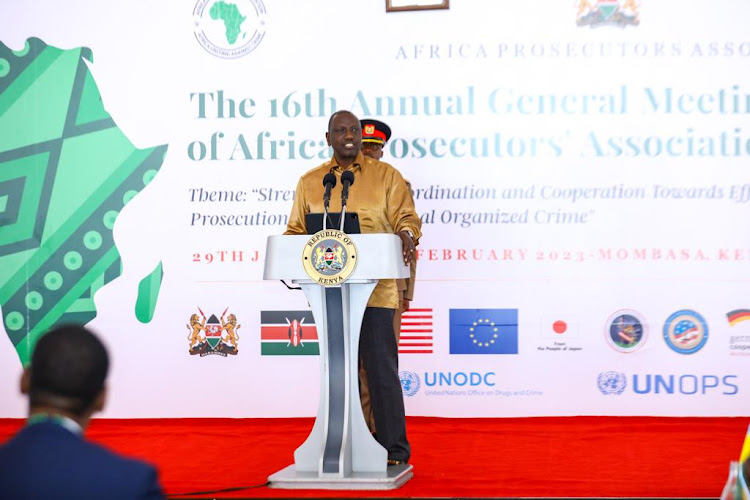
611 383
229 28
410 383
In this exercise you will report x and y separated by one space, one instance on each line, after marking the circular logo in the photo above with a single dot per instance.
410 383
329 257
611 383
626 331
685 331
229 28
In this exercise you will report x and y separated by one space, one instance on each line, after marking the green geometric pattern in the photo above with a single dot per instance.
148 294
66 171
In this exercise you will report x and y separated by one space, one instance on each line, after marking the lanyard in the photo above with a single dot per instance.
60 420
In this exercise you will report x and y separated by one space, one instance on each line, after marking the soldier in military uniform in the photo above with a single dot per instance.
374 136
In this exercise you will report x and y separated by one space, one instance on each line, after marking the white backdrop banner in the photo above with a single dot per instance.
581 170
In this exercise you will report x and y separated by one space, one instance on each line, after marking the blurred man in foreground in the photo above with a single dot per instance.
49 458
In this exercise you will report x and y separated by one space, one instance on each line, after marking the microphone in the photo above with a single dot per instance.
347 179
329 181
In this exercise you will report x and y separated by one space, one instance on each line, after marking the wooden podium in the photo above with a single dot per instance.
340 452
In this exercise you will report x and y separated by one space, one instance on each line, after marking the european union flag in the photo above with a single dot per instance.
484 331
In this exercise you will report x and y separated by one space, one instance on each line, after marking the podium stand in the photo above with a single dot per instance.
340 452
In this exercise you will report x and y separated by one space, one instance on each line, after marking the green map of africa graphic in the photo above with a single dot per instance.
230 15
66 171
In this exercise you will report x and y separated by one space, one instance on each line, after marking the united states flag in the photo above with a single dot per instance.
416 332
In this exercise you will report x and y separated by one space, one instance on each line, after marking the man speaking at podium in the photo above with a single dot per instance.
381 199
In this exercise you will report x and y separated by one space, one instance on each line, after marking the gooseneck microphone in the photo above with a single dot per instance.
347 179
329 181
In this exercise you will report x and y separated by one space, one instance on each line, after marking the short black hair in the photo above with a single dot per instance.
68 369
339 112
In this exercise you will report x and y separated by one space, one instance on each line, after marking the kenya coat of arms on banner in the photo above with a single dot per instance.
213 335
599 12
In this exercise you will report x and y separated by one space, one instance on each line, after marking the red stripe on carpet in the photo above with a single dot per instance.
491 457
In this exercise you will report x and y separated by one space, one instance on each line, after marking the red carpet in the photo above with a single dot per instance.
513 457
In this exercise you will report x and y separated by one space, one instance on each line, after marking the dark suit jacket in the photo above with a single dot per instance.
47 461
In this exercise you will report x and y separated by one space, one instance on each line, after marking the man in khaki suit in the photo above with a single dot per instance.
374 136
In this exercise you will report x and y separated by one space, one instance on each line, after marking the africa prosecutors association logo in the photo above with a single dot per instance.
288 333
600 12
213 335
229 28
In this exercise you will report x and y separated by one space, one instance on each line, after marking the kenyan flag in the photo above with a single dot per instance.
288 333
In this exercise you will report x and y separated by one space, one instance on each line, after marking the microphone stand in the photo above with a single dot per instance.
343 213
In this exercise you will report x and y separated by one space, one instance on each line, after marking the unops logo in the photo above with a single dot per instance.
410 383
229 28
611 383
686 384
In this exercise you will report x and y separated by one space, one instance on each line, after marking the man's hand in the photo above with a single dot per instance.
407 247
405 305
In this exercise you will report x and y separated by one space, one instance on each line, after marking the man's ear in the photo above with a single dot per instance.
26 381
100 400
328 138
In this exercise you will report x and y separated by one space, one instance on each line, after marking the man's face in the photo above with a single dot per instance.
345 136
372 149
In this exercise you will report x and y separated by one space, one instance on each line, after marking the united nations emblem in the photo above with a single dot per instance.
329 257
610 383
410 383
